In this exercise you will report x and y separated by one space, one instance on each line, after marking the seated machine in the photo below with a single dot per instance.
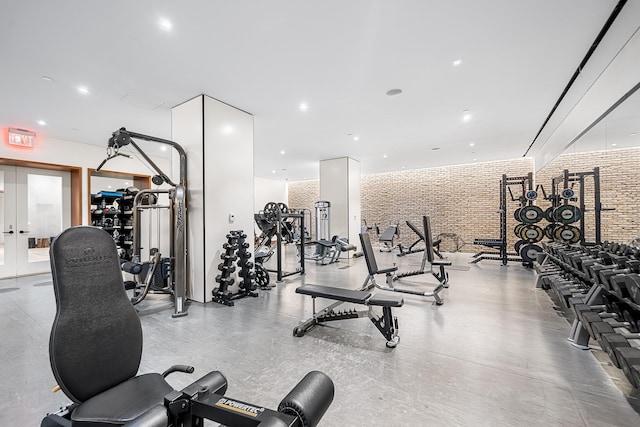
95 350
442 276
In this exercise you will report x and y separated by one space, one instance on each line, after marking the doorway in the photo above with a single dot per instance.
35 205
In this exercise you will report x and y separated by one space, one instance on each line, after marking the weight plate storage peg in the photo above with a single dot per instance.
531 214
528 252
567 214
531 233
567 193
518 245
516 214
517 229
531 195
548 231
548 214
567 233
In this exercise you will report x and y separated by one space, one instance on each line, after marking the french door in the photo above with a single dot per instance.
35 205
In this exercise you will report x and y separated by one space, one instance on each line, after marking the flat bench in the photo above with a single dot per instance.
387 324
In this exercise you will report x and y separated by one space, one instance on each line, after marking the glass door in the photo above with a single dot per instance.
43 212
8 237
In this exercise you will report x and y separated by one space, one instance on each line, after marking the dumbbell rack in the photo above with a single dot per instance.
235 250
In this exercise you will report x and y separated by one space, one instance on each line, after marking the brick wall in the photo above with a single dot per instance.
303 195
618 175
464 199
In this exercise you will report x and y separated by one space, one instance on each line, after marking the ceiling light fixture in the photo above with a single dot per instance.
281 151
163 148
304 107
384 156
394 92
471 144
614 144
227 129
83 90
633 134
475 160
47 78
355 138
457 62
466 115
165 24
273 171
42 123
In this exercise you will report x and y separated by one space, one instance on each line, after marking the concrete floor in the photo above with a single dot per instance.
495 354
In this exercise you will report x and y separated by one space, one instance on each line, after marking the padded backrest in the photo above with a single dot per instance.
369 255
96 338
415 230
426 224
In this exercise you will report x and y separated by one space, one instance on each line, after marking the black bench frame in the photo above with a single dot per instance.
387 324
412 250
391 273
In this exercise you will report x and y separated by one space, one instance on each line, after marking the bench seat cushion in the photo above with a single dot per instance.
330 292
386 300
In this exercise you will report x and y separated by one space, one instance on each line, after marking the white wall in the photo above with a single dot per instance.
269 190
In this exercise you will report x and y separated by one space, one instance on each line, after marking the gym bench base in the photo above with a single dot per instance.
387 324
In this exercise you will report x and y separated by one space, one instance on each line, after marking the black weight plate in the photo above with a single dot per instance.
528 252
518 245
548 214
531 195
516 214
567 214
271 211
517 229
531 214
283 208
567 193
548 231
531 233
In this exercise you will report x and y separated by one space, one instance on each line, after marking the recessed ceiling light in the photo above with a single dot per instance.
394 92
273 171
385 156
466 115
471 144
614 144
633 134
304 107
165 24
42 122
457 62
402 167
227 129
47 78
281 151
83 90
435 148
163 148
475 160
355 138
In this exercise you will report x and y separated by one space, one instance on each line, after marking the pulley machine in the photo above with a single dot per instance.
177 209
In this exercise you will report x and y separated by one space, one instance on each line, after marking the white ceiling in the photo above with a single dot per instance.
266 57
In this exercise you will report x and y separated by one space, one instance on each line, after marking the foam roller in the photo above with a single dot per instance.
309 399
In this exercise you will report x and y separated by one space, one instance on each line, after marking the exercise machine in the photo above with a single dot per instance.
391 273
95 350
411 249
177 207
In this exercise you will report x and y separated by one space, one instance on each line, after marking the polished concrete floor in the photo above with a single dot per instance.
495 354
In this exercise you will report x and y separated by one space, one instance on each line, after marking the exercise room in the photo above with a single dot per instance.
308 214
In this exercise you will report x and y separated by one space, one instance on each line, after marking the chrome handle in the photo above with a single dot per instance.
8 232
24 231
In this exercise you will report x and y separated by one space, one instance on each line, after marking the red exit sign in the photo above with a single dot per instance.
22 138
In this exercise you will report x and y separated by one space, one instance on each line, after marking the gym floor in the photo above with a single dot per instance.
495 354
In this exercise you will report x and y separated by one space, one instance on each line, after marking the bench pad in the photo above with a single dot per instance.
330 292
386 300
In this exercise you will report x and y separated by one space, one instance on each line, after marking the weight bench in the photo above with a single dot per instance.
410 250
442 276
387 324
387 236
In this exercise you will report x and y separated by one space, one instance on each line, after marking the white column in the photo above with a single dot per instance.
218 140
340 185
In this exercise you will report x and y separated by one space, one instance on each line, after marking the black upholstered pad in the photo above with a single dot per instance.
123 403
330 292
96 338
440 262
386 300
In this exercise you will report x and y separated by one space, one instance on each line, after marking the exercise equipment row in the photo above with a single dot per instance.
565 214
532 233
599 287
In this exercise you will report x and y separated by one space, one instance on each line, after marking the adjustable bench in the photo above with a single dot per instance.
387 324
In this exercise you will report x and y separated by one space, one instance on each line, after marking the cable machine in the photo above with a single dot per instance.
177 209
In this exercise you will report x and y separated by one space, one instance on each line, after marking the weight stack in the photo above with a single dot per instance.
221 294
247 275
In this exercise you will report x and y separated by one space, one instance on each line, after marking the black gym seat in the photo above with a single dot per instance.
95 349
387 324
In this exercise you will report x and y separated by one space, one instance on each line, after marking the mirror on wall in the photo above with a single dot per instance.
112 181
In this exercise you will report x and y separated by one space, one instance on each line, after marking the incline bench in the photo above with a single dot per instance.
387 324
